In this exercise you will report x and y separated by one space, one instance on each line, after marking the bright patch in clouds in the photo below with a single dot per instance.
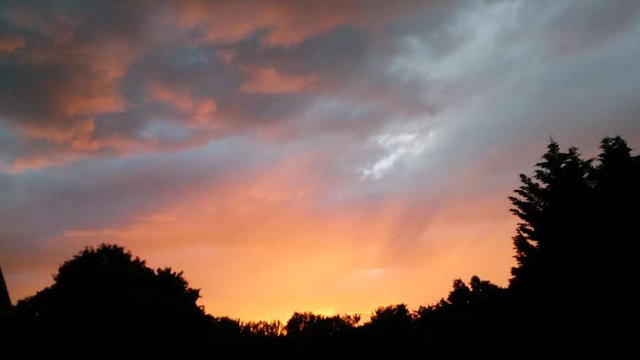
397 147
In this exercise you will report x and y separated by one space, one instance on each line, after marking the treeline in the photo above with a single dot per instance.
570 292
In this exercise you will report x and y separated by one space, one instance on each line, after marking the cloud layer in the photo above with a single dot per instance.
326 156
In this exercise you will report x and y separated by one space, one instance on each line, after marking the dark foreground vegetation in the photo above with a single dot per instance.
571 292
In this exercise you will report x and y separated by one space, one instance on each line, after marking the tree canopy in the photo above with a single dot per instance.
104 296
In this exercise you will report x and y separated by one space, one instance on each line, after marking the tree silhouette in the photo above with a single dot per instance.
104 301
475 315
573 243
616 179
318 336
574 211
390 331
553 206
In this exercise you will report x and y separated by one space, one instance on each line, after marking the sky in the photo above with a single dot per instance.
325 156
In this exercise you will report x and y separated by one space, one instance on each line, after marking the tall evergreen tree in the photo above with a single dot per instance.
617 185
575 243
553 206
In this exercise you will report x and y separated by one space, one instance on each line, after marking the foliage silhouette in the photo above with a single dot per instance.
574 250
104 296
573 244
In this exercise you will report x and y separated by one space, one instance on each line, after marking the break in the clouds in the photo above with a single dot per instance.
296 155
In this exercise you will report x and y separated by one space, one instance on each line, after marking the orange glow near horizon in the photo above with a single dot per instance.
258 251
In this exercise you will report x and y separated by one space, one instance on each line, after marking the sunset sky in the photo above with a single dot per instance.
325 156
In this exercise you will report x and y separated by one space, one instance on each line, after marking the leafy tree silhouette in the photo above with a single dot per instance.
474 315
390 331
105 302
318 336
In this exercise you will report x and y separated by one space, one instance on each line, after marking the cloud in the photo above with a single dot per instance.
76 74
398 146
199 111
11 43
569 29
267 80
287 22
64 74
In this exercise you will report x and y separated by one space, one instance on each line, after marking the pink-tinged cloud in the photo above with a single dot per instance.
288 22
269 81
197 110
11 43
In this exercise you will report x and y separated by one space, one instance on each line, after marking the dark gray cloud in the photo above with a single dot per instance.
96 78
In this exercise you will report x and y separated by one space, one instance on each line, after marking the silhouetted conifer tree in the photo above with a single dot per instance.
573 245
